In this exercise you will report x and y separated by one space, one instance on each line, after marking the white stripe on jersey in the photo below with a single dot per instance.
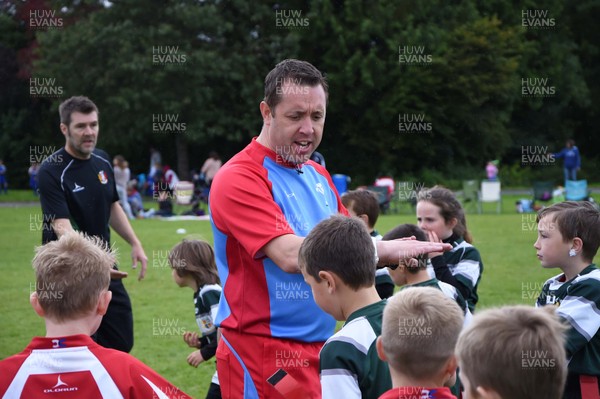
466 268
63 360
105 160
451 292
358 333
62 175
210 287
582 314
160 394
448 290
339 383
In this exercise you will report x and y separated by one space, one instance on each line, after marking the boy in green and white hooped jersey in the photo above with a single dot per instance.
337 260
568 238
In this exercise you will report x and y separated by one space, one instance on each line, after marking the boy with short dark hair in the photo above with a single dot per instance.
364 204
413 272
72 280
337 260
513 352
568 239
420 329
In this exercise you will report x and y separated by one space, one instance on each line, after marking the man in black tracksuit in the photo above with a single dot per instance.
77 191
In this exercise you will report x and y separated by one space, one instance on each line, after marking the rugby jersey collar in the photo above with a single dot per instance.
69 341
258 152
588 269
367 311
454 240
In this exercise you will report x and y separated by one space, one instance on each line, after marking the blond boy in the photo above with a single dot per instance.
420 329
337 260
513 352
72 279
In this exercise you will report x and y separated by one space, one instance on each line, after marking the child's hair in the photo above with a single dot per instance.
341 245
405 230
408 230
419 331
450 208
195 258
363 202
576 219
71 273
517 351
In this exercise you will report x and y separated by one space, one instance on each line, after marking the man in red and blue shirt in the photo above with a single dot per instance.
263 202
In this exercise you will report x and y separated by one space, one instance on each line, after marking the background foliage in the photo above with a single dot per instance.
470 92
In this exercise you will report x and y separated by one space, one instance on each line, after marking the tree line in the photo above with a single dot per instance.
420 90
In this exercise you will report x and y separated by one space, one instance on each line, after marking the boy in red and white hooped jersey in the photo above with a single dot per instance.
72 277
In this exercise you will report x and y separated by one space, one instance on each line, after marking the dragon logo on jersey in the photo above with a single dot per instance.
102 177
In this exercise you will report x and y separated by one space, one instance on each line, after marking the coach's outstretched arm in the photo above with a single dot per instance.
284 249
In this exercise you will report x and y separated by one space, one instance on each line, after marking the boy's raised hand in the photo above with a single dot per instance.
195 358
192 339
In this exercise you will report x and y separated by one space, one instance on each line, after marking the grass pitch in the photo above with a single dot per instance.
162 311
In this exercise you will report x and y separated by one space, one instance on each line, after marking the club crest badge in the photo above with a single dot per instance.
102 177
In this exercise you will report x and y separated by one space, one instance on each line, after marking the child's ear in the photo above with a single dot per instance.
452 223
364 218
103 302
450 371
329 279
577 244
35 304
379 346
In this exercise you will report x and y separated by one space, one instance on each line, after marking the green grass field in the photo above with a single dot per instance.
512 275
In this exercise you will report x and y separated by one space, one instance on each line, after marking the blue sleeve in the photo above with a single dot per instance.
560 154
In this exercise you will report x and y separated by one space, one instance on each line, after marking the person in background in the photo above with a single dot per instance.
491 170
155 162
122 177
442 217
210 167
3 182
193 265
170 177
80 188
33 180
572 160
